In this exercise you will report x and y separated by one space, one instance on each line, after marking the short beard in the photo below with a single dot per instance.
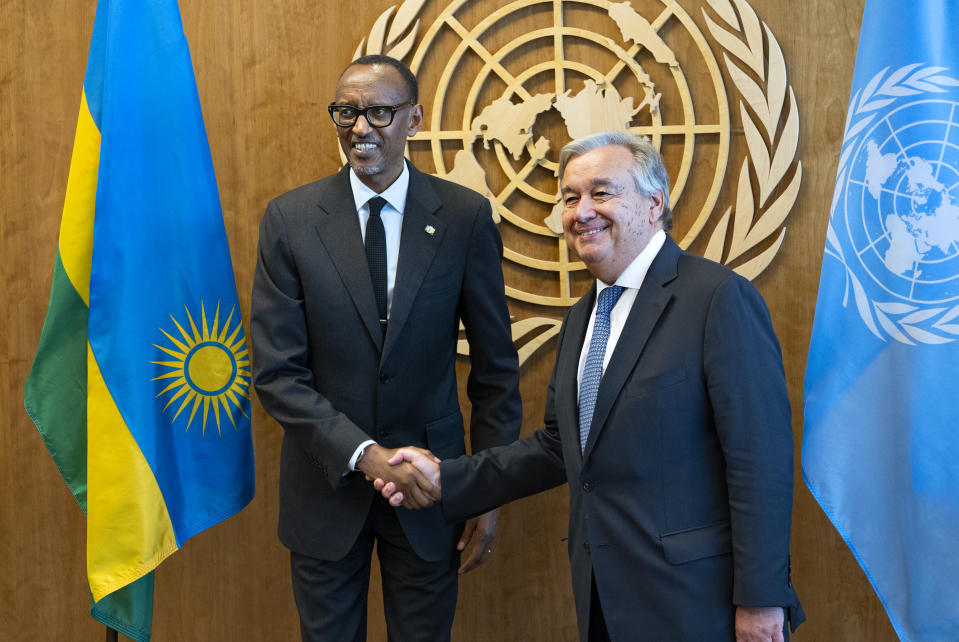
367 171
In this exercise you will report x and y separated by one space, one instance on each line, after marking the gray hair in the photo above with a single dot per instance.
649 172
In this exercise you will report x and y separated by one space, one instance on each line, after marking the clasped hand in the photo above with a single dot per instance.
478 533
408 477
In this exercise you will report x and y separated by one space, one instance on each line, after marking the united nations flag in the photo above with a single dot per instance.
881 394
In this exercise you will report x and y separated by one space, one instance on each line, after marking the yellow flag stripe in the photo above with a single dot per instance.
129 531
76 226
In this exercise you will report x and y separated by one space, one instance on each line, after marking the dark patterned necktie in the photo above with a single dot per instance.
593 370
376 255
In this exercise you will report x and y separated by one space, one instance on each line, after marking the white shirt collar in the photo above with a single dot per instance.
395 194
635 273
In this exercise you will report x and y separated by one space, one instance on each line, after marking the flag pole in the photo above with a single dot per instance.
111 635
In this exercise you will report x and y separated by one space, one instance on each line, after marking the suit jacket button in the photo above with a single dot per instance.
587 486
385 378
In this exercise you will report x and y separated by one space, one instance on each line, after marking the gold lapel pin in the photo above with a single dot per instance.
430 230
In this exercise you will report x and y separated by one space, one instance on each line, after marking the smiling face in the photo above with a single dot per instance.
376 153
605 218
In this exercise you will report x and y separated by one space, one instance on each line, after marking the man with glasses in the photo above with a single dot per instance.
362 281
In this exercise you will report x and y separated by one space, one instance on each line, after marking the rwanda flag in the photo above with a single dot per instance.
881 436
140 383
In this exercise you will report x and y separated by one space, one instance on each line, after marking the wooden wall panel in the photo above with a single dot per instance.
266 71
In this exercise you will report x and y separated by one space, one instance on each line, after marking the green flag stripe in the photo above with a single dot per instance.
55 394
55 397
129 610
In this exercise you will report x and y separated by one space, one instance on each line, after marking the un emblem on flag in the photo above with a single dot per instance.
895 219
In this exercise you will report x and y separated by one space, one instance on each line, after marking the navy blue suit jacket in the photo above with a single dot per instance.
681 504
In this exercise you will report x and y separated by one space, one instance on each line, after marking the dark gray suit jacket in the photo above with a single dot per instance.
324 371
681 504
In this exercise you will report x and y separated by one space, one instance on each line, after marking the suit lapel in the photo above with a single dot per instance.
421 235
339 231
651 301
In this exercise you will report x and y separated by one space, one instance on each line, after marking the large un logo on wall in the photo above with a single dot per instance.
895 222
505 86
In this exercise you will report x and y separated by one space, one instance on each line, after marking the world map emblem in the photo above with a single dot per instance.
505 86
895 222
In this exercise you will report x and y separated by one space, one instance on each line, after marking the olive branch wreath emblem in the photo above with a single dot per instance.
752 221
765 113
904 322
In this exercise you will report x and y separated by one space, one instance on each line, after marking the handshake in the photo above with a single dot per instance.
408 477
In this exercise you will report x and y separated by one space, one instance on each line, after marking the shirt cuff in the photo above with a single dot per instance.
358 452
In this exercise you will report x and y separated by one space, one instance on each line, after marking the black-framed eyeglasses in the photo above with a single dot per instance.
376 115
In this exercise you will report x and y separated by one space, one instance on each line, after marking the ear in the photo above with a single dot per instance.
655 207
416 120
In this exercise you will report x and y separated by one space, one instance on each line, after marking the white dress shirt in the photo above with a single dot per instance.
392 215
631 279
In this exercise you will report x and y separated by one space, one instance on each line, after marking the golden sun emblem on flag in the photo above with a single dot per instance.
211 367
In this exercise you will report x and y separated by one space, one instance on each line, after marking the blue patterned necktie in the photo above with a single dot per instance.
376 255
593 370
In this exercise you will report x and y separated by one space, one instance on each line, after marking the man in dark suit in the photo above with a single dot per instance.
362 281
667 415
